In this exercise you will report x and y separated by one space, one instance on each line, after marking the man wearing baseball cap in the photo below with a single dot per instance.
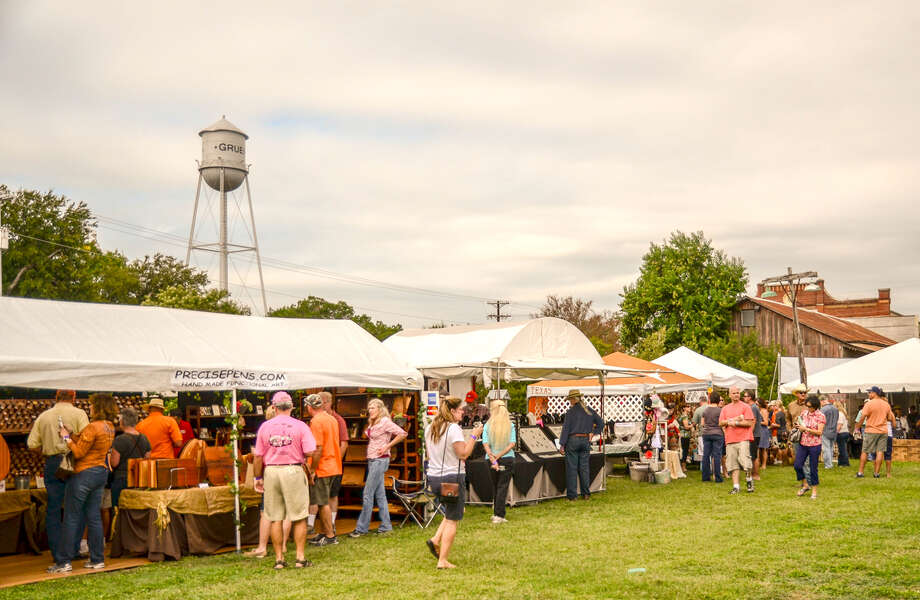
876 414
280 472
162 432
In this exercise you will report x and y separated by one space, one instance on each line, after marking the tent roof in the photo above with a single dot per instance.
543 347
687 361
53 344
667 380
894 369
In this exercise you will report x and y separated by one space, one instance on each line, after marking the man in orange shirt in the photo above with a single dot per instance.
327 465
876 414
343 447
162 431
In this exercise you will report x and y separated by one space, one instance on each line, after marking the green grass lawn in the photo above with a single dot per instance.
860 539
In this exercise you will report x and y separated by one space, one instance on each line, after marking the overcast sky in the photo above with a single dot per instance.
492 150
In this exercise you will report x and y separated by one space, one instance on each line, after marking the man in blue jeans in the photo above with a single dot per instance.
45 438
581 422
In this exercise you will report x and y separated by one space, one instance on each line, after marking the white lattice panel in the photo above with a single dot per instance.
620 409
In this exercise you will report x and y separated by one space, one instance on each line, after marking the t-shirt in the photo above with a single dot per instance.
876 412
698 414
831 414
326 432
512 439
283 440
441 457
185 430
733 435
758 419
46 431
343 427
711 420
163 433
379 436
128 446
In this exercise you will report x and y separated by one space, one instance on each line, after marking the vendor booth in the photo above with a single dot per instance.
52 344
685 360
895 369
622 405
539 348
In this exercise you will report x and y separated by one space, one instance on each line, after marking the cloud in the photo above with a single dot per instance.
505 150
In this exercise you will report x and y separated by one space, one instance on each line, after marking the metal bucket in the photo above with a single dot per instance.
638 471
663 476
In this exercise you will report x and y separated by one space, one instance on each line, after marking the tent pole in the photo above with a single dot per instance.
236 472
603 378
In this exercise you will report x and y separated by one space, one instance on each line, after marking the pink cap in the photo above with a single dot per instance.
280 397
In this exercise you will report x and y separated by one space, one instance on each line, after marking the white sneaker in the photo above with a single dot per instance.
56 569
496 520
91 565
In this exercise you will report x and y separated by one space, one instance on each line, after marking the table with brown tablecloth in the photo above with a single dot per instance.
22 520
168 524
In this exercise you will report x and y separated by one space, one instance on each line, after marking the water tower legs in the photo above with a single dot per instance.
223 234
255 241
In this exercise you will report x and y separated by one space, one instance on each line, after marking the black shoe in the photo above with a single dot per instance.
325 541
750 485
734 491
876 475
316 538
859 476
356 534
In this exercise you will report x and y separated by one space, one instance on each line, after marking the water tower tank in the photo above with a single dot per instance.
223 145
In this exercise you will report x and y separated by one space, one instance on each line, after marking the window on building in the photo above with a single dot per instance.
747 318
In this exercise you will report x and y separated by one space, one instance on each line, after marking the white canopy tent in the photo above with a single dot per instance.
894 369
685 360
53 344
539 348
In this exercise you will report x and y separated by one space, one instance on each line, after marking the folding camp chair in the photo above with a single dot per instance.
421 505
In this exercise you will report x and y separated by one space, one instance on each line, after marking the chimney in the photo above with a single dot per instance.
760 290
884 300
819 297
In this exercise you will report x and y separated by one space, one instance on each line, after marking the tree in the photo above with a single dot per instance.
746 353
314 307
602 328
53 252
160 271
686 287
192 299
651 346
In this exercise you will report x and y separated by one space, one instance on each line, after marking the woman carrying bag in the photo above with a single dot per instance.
807 437
446 450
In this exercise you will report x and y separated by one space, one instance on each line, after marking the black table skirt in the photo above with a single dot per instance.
478 475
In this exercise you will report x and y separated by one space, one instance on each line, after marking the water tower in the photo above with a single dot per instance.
223 168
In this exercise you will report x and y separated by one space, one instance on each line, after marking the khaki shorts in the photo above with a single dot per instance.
321 490
875 442
286 494
738 456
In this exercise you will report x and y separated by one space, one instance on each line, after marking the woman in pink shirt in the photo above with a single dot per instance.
382 434
811 424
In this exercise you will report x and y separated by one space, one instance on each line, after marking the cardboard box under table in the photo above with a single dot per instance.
168 524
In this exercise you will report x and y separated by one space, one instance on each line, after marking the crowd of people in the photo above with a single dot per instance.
85 469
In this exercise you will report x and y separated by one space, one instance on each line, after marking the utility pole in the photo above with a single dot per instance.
791 282
498 316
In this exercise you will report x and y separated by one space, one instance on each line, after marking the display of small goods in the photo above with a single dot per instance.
23 462
18 415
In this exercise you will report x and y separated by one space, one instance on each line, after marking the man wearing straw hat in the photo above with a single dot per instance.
162 432
581 422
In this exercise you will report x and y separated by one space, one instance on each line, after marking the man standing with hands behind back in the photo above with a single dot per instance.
738 421
282 446
581 422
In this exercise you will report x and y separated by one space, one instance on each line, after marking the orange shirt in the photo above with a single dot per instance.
875 413
163 433
326 432
91 445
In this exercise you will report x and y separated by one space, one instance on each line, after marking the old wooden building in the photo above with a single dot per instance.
823 335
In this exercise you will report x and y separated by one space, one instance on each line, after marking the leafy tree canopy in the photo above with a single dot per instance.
193 299
602 328
685 287
747 354
314 307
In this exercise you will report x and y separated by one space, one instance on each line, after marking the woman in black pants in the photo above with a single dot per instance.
498 440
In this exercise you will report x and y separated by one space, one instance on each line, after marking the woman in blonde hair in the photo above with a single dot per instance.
498 440
382 434
446 450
